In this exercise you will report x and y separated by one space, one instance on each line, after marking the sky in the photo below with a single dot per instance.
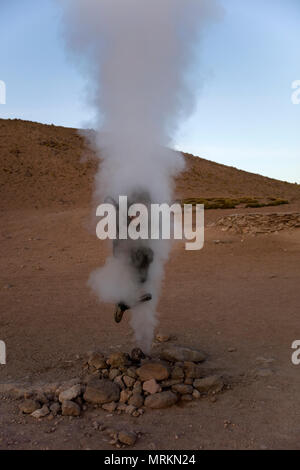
244 115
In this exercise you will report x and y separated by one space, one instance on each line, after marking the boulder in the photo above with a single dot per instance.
175 353
161 400
162 337
186 397
177 373
55 408
153 370
119 381
113 373
131 372
29 406
130 409
70 393
136 400
192 370
125 395
101 391
97 360
127 437
70 408
151 386
128 381
168 383
213 383
118 359
182 389
41 413
110 407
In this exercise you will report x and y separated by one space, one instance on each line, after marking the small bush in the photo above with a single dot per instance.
228 203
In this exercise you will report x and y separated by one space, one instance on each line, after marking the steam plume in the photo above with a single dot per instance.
137 54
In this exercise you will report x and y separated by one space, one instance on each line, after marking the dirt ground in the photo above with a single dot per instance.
237 299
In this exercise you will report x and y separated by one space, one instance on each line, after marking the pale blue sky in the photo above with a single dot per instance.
244 115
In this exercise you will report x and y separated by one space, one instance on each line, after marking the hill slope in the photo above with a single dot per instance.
42 166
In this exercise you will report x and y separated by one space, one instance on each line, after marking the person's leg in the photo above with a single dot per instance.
121 307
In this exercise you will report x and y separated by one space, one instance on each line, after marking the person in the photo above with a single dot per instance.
138 255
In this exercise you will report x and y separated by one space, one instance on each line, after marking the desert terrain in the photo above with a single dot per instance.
237 299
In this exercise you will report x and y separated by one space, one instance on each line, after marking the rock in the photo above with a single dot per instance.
151 386
70 393
182 389
125 395
137 387
110 407
55 408
50 388
127 437
119 381
136 400
86 378
153 370
128 381
192 370
213 383
121 406
65 386
161 400
177 373
131 372
97 360
162 337
101 391
41 413
113 373
170 382
29 406
180 353
130 409
70 408
118 359
42 398
187 397
188 381
137 355
196 394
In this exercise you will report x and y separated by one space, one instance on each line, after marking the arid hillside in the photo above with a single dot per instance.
42 166
237 300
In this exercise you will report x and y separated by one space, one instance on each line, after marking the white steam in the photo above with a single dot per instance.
136 55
